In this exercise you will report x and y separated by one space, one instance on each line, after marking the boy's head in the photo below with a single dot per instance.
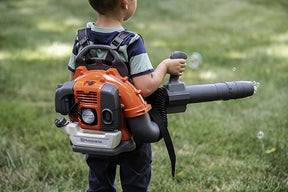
105 7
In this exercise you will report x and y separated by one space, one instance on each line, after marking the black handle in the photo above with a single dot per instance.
176 55
81 57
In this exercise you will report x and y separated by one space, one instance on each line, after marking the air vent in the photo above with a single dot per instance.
90 98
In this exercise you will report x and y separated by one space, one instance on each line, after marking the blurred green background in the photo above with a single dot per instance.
216 143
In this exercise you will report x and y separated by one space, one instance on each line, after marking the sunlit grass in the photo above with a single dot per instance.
43 52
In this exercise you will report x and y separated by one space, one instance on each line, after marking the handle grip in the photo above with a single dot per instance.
84 59
82 56
176 55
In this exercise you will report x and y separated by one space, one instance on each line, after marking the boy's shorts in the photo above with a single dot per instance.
135 170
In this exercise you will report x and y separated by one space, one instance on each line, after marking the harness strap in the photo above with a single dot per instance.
119 39
159 100
167 139
83 37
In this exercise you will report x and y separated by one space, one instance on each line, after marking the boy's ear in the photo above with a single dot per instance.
124 4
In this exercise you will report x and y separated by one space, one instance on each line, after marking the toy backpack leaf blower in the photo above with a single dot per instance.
108 115
102 103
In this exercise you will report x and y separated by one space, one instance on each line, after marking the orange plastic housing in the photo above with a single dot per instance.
87 94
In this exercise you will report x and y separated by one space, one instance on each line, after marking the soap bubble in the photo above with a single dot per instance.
195 60
256 85
260 134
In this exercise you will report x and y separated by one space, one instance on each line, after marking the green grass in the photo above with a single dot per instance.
216 143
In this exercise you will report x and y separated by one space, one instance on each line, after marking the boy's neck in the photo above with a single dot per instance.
108 21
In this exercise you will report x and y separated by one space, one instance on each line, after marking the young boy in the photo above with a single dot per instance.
135 166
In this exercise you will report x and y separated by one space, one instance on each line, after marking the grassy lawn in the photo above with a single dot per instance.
216 143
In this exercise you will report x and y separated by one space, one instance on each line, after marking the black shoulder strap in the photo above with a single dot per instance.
119 39
158 113
83 37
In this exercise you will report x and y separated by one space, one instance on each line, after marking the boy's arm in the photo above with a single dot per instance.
71 76
150 82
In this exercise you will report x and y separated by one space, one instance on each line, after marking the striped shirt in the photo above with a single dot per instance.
132 51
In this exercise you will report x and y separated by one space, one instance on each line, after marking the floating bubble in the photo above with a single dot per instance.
195 60
256 85
260 134
234 69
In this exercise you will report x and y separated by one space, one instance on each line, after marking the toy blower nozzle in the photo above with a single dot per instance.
178 95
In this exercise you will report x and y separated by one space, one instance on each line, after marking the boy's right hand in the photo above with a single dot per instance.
175 66
150 82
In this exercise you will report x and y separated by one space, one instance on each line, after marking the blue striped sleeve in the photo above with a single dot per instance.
139 60
136 48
